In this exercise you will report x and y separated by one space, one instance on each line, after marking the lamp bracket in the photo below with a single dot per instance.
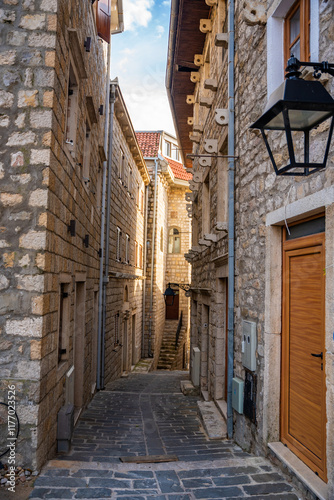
294 65
183 286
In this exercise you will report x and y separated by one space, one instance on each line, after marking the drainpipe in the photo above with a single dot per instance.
144 271
107 237
100 326
231 165
152 257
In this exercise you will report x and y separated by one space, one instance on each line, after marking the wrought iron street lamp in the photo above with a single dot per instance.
170 294
298 106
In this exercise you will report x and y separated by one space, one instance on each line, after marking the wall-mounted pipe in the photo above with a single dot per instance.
103 213
231 166
144 272
152 257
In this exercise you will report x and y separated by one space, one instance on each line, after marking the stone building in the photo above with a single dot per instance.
262 250
53 87
125 290
168 238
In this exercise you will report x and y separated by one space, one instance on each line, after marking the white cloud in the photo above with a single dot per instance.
160 31
137 13
166 3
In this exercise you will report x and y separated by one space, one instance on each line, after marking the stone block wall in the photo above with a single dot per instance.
125 287
42 189
258 194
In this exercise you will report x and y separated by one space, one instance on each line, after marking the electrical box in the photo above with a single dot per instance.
238 394
248 347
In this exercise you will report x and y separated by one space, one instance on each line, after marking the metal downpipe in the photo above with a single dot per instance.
231 165
100 326
107 239
144 272
152 257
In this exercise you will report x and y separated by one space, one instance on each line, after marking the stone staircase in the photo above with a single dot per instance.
168 353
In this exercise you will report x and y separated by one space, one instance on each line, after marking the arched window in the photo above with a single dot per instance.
174 240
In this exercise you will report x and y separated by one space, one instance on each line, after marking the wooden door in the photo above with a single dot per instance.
303 409
172 312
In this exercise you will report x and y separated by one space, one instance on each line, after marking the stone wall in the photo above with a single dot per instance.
258 193
125 287
42 189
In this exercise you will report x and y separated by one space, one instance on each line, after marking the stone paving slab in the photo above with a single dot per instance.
146 414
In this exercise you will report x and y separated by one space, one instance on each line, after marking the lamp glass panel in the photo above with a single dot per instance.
300 119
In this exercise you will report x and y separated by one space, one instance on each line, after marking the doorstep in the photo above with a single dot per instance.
305 475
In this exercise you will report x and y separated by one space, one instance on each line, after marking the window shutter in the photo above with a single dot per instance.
103 15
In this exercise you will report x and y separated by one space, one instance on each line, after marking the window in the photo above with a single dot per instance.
129 179
137 194
161 239
64 320
103 19
127 249
168 148
175 152
174 240
140 259
121 165
141 201
136 254
116 323
280 16
86 156
206 206
118 245
297 31
72 112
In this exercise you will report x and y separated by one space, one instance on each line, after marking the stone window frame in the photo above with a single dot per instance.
64 318
316 203
275 40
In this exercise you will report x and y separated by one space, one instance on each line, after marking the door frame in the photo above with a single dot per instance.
298 246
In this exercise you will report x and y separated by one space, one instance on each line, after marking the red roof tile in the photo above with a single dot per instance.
178 169
149 143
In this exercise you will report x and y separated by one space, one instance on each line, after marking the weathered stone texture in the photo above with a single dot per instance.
41 191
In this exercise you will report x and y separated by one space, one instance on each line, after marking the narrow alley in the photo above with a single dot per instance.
147 415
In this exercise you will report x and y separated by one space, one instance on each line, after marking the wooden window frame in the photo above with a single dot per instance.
127 249
304 34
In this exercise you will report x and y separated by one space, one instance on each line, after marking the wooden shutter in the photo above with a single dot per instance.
103 14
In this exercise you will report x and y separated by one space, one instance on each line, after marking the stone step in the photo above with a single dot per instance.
213 422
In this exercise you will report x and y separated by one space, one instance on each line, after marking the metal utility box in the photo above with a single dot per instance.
249 345
195 366
238 394
65 427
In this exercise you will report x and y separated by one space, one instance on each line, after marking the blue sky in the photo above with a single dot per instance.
139 57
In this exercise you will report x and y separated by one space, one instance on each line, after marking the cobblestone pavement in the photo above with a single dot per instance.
146 414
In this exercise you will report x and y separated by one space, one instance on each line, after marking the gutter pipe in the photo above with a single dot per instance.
152 257
144 271
100 326
112 99
231 168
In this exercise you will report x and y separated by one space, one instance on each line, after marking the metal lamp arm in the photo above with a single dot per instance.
319 67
